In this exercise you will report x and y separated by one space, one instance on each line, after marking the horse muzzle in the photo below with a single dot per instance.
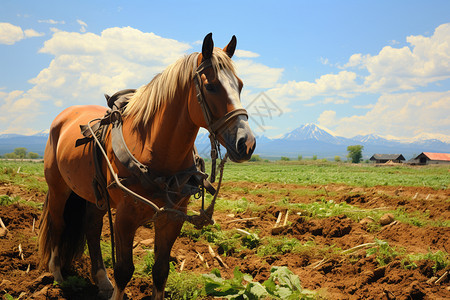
239 140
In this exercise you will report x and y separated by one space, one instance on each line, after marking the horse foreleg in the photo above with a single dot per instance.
124 228
94 219
166 232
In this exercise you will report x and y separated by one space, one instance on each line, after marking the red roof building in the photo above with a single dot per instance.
426 158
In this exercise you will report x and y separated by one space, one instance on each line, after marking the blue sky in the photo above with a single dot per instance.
354 67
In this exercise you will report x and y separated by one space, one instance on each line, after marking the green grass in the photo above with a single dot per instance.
329 208
28 174
322 173
31 174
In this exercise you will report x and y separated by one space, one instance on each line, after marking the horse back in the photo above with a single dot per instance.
65 165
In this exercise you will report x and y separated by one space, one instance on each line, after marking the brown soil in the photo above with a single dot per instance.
354 276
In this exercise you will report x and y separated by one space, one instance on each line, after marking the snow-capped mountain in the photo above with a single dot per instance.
311 139
314 132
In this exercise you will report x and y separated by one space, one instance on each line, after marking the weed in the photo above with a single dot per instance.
146 266
384 253
274 246
184 285
74 283
8 200
440 258
282 284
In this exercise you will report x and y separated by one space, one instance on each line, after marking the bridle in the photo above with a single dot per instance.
214 126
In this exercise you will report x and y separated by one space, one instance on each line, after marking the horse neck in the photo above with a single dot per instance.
166 144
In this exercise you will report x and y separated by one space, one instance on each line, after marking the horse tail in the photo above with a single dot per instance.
44 241
73 238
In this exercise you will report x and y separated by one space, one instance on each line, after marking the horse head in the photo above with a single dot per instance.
216 104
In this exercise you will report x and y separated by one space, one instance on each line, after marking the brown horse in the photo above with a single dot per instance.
160 124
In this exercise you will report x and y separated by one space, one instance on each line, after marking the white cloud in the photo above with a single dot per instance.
51 21
245 54
84 67
11 34
424 61
83 26
401 114
342 84
16 109
32 33
327 118
257 75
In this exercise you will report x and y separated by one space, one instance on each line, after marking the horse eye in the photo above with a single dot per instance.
210 87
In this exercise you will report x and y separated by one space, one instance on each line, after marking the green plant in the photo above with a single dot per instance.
274 246
285 158
282 284
8 200
74 283
251 240
241 286
384 253
184 285
440 258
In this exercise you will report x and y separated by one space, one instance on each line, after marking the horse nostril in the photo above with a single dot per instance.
241 146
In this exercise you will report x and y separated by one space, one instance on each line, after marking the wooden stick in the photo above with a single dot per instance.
2 224
214 255
34 222
20 251
441 278
243 231
286 218
241 220
344 252
278 219
202 258
182 265
325 188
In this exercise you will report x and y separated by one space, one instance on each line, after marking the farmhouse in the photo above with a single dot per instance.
384 158
427 158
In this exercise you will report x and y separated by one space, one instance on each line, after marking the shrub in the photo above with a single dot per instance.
255 157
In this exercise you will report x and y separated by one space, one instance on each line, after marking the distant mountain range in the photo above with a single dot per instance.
311 139
306 140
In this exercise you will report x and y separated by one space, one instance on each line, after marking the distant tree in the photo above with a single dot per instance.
284 158
32 155
300 157
314 157
255 157
20 152
337 158
10 155
355 153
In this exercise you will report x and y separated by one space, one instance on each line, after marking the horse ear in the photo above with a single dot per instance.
231 47
208 46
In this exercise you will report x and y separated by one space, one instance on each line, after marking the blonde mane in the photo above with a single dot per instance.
149 98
